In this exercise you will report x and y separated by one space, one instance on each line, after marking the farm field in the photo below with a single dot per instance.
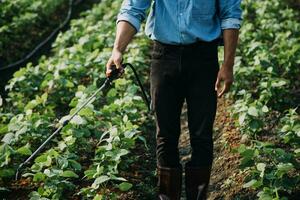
107 151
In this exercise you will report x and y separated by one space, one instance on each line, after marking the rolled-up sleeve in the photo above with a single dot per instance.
134 12
230 13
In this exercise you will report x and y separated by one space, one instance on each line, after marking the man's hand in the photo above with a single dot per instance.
115 59
125 33
225 76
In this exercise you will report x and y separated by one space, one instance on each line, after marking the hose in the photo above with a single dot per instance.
39 46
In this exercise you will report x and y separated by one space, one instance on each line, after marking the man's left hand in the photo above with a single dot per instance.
225 76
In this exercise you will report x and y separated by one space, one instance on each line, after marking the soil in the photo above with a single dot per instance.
226 179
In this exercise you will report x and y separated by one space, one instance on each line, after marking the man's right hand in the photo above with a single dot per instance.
115 59
125 33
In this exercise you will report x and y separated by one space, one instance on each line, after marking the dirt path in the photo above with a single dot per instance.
226 182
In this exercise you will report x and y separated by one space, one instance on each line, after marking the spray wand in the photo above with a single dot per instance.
113 76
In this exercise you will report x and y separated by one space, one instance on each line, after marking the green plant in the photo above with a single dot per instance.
99 139
266 73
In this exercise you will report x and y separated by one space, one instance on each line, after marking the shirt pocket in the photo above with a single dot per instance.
203 8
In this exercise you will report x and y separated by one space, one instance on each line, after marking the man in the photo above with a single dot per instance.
184 66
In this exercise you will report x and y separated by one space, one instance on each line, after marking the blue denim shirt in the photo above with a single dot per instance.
182 21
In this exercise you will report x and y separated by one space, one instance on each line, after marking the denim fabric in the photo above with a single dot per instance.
184 73
182 21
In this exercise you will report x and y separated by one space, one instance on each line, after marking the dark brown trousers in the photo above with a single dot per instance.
184 73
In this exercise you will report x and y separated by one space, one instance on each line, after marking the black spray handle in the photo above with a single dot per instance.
115 72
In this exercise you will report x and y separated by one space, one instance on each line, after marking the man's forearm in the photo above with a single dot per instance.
124 34
225 74
230 37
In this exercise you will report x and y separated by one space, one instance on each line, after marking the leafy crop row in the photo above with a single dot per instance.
24 17
266 79
92 147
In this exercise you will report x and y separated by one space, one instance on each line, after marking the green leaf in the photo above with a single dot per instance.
297 152
242 118
35 196
265 109
8 137
75 165
62 145
264 196
286 128
129 134
46 162
125 186
81 87
69 84
113 177
247 157
261 166
255 125
25 150
41 190
283 168
98 197
20 73
297 129
279 83
3 129
41 158
90 173
83 40
78 120
112 93
250 183
125 118
143 139
242 148
253 183
32 104
86 112
39 177
62 162
69 174
6 173
253 111
120 153
44 97
99 181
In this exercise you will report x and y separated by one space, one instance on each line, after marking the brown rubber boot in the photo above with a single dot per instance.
196 182
169 183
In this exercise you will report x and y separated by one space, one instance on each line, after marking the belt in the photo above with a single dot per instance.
191 45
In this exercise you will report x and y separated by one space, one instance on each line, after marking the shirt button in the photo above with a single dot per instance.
180 13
